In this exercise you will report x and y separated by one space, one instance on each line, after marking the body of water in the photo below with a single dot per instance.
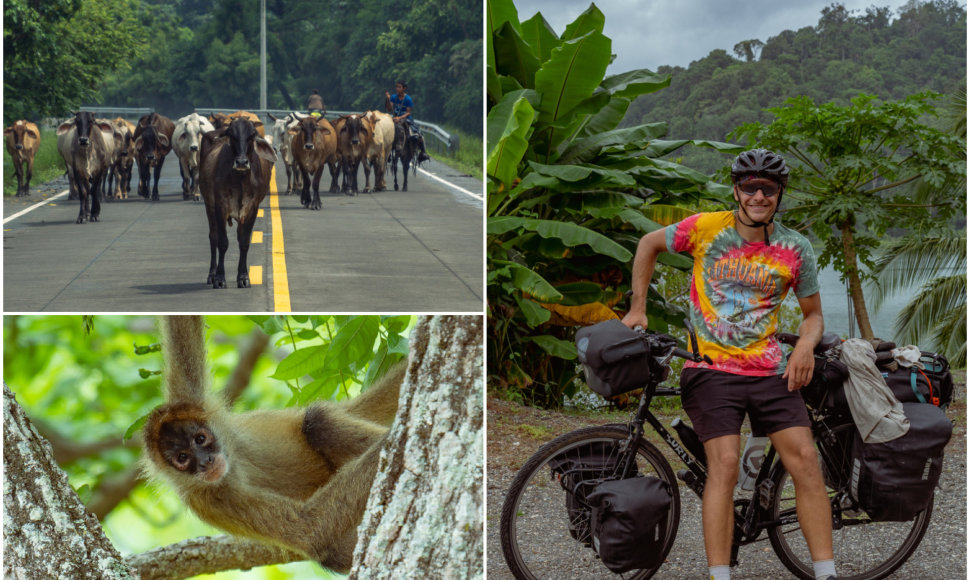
835 308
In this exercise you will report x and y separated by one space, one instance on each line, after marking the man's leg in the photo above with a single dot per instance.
797 451
718 505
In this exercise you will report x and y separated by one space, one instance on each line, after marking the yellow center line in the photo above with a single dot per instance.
281 286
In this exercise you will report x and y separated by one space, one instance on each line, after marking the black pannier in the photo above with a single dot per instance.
615 358
931 384
629 522
578 471
894 481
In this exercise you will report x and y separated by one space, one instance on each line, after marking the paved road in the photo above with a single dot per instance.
411 252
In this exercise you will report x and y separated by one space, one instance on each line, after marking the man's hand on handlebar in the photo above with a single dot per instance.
635 319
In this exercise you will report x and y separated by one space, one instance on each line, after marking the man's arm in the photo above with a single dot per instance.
644 262
801 364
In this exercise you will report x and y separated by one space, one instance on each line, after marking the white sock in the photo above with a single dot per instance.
824 569
720 572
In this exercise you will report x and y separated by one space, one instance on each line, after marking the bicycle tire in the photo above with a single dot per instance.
864 550
539 541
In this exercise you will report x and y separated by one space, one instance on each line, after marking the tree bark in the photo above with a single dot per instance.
47 532
855 281
424 518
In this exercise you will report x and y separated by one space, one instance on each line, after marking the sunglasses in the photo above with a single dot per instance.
767 187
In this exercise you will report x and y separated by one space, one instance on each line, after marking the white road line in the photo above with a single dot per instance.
35 206
461 189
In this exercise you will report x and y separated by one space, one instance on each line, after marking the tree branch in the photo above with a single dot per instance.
243 372
207 555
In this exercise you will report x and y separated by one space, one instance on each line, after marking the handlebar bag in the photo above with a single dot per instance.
615 358
894 481
629 522
931 384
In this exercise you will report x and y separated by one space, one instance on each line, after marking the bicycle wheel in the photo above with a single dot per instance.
545 528
864 550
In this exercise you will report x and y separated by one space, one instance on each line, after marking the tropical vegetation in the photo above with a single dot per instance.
570 194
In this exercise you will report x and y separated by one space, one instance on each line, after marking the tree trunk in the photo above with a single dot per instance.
855 281
424 518
47 532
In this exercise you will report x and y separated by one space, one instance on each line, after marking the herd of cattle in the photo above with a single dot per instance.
226 160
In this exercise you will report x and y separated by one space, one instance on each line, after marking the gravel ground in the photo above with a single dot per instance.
515 432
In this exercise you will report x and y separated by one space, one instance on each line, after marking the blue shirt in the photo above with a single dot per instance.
401 106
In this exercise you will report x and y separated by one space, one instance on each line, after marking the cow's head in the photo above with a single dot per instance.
84 121
307 126
356 128
244 141
17 131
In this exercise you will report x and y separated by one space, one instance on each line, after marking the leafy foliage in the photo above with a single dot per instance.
56 52
569 193
922 45
351 52
851 168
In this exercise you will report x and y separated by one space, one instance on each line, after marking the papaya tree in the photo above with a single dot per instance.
854 172
570 194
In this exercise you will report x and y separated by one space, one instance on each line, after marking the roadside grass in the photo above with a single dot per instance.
47 164
470 155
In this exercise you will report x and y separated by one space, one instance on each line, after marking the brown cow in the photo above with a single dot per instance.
354 135
153 141
85 155
315 145
23 140
234 174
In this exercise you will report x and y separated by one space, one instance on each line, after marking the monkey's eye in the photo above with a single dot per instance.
200 439
182 458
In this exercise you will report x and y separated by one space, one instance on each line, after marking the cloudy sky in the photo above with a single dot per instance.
651 33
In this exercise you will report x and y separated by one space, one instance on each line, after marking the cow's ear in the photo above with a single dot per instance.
138 144
65 127
8 131
163 140
106 127
32 133
264 150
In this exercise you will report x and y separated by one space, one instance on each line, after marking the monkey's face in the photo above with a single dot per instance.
192 448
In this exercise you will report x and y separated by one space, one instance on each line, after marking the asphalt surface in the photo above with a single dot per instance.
419 251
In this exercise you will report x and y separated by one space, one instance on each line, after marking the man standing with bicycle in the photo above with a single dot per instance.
744 266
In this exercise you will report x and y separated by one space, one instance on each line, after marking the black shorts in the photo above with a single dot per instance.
716 403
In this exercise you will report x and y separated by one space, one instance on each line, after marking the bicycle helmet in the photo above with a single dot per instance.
760 163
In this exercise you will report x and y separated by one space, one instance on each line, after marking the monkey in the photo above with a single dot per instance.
298 478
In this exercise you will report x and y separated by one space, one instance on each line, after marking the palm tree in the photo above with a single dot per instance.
936 316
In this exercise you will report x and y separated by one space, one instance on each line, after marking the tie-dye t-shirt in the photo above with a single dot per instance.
737 288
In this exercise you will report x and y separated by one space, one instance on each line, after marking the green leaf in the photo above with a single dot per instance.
585 150
579 293
573 71
569 233
534 314
591 20
397 324
607 118
135 427
354 342
509 124
514 57
634 83
540 35
301 362
554 346
529 282
499 12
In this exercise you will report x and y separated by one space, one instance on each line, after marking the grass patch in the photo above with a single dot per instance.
470 156
48 164
537 433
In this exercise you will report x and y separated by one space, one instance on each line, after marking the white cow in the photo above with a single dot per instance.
186 141
283 131
380 148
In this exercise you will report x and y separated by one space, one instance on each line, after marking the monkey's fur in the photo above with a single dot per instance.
298 478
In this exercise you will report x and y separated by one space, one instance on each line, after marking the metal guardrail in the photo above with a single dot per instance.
443 139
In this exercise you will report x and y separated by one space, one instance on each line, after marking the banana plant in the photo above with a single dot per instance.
570 192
